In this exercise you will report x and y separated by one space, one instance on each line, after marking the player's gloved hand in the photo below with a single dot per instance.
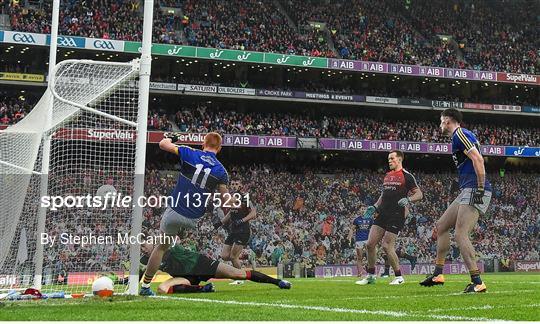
478 194
370 211
454 187
173 136
404 202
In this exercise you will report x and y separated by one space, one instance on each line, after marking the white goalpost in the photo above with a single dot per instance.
86 137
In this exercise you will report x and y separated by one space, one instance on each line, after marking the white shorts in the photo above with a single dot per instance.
173 223
360 244
465 198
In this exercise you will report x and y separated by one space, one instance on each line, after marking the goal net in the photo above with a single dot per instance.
84 148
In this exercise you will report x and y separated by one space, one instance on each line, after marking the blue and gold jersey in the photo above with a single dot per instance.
362 226
463 140
200 173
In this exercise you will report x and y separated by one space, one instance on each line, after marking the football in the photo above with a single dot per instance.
103 287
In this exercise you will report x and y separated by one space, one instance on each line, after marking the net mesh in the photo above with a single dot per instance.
91 153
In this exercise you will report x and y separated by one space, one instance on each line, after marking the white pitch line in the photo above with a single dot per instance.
328 309
436 295
59 302
480 308
503 282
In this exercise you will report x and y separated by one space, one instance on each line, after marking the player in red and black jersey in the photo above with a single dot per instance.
399 190
237 224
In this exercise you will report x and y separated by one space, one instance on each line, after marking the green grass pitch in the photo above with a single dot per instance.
509 297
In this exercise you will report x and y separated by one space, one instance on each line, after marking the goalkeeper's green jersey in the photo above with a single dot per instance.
178 261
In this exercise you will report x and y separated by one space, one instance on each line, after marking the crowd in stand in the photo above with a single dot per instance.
203 119
211 117
502 36
159 121
14 108
109 19
307 216
302 217
115 19
372 31
171 3
498 35
246 25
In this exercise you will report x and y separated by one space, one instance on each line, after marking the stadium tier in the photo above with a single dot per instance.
496 37
201 117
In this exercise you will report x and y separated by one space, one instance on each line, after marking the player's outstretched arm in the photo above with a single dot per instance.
167 145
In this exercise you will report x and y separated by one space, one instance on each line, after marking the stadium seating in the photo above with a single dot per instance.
290 206
484 36
306 217
499 37
201 119
14 108
247 25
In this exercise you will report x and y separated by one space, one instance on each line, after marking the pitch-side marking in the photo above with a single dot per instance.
435 295
479 308
328 309
61 302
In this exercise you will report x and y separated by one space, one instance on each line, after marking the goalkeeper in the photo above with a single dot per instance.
200 174
188 269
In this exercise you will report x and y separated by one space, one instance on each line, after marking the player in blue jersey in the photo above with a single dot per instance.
201 174
472 201
360 230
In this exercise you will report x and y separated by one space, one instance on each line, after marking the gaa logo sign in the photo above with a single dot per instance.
106 45
66 41
24 38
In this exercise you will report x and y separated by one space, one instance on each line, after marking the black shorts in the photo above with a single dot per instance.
204 270
391 222
238 238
